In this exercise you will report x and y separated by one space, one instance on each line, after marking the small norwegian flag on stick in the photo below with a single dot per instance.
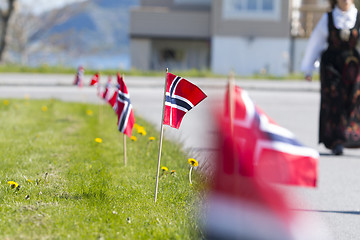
79 78
124 110
180 96
106 93
94 80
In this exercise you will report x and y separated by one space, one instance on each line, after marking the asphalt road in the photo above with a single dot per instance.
293 105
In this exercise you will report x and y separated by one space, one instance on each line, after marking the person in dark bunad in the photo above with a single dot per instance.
334 41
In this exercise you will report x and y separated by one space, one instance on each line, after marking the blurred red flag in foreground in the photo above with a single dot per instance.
266 150
243 202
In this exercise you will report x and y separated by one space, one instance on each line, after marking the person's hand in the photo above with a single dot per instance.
308 78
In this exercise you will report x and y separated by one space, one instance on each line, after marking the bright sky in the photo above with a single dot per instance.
38 6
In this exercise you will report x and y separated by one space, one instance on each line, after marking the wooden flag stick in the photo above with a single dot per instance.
161 137
124 140
100 110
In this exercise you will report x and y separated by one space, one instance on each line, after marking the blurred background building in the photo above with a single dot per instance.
246 36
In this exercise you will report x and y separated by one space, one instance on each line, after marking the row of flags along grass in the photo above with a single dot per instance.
254 150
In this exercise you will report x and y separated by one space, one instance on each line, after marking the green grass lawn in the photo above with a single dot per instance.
45 69
72 187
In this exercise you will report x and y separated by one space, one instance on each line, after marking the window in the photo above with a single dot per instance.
252 9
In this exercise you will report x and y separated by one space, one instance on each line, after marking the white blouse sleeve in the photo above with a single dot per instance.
316 44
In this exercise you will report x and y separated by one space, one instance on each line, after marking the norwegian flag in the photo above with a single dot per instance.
106 93
181 96
112 100
94 79
242 207
124 110
79 77
267 150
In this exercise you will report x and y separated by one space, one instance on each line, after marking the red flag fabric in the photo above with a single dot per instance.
119 78
112 100
124 109
241 207
267 150
94 79
247 207
79 78
181 97
106 94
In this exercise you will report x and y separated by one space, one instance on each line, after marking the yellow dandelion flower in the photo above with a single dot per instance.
133 138
142 131
98 140
137 126
13 184
44 108
89 112
151 138
6 102
172 172
165 169
193 162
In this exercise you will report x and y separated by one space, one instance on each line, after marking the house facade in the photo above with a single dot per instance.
244 36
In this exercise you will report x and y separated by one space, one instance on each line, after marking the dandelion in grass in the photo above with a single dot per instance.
98 140
6 102
172 172
89 112
164 169
13 184
141 130
133 138
193 163
151 139
44 108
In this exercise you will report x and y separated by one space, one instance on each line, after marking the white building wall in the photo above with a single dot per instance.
299 51
140 53
248 56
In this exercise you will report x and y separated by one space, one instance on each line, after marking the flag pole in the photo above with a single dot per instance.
100 102
161 137
124 138
124 141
